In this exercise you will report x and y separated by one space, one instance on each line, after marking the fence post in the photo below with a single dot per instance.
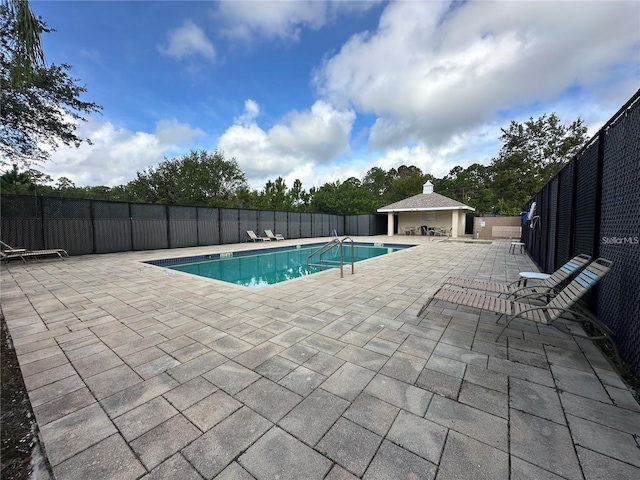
166 210
598 212
131 227
198 226
92 217
556 213
574 200
41 211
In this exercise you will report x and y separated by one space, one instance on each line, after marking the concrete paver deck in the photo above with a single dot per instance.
138 372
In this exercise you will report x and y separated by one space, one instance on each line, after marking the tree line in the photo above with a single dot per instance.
532 153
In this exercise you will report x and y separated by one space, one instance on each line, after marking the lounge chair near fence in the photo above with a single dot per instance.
513 289
256 238
273 236
9 252
562 305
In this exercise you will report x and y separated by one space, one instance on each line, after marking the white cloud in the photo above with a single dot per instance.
117 154
282 19
171 133
439 79
462 150
432 70
302 139
251 112
188 41
321 133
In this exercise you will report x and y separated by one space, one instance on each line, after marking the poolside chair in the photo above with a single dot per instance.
514 289
562 303
255 238
271 236
573 266
9 252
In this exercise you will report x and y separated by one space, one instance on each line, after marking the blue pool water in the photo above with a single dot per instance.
259 268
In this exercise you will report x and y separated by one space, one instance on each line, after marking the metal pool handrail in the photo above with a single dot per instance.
332 263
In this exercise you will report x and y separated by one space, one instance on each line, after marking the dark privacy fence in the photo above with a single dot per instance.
95 226
593 206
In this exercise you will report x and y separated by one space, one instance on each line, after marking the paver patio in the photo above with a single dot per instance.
138 372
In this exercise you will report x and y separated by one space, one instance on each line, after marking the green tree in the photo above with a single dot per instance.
39 105
64 183
275 194
377 181
15 181
471 186
406 181
531 154
246 198
198 178
347 198
25 182
299 199
25 39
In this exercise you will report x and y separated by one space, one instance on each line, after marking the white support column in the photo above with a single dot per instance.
390 224
454 223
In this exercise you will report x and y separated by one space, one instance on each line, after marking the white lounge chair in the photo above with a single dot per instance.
514 289
560 303
9 252
256 238
272 236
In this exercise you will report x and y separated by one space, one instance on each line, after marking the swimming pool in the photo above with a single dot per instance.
259 268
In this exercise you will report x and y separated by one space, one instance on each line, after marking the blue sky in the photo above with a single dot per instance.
324 91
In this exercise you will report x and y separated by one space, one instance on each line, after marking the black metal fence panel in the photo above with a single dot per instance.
149 226
363 225
183 226
618 297
586 194
21 221
67 221
319 224
351 225
551 221
593 206
326 225
347 225
316 225
305 225
565 214
18 232
294 223
380 224
229 226
281 224
111 227
208 226
336 224
67 208
543 230
75 234
266 221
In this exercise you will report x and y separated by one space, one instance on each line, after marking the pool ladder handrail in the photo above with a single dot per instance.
336 242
